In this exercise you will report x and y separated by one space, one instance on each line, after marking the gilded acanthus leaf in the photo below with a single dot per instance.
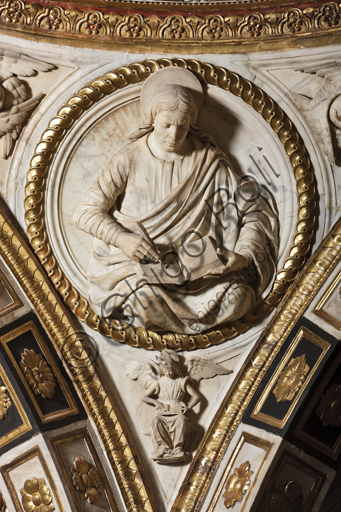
291 379
86 480
237 484
38 373
36 496
5 402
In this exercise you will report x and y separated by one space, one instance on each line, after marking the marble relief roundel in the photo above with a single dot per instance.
177 223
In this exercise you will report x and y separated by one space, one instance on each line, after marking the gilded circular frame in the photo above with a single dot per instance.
213 75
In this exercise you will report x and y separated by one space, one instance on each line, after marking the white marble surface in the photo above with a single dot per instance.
104 129
274 72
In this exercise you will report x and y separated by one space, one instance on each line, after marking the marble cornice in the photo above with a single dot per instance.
191 27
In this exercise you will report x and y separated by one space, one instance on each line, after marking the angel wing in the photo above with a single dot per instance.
198 369
331 71
317 109
13 63
11 123
144 373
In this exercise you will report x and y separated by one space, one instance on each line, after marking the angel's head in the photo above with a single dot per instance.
169 364
171 371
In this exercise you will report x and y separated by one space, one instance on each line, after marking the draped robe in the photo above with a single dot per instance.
195 196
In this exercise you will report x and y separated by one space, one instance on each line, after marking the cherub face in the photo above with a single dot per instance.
171 129
170 372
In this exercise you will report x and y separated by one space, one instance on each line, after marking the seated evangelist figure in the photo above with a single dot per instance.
167 195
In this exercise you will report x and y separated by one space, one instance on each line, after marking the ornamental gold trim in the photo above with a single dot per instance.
250 439
36 496
106 85
291 379
52 416
237 484
321 309
16 302
70 437
25 425
5 402
296 393
32 482
66 339
123 458
37 373
213 26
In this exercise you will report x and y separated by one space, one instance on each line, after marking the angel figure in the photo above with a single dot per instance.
14 102
323 112
168 384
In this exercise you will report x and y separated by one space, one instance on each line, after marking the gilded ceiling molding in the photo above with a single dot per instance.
52 312
211 26
48 306
228 81
208 458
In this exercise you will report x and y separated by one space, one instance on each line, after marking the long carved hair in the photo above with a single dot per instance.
171 98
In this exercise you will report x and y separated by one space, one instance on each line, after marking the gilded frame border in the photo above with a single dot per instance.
248 438
18 461
26 425
298 432
82 433
174 26
121 453
213 75
45 418
288 458
16 302
270 420
319 311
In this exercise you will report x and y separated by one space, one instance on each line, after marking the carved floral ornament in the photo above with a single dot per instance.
237 485
37 373
36 496
291 379
287 496
230 82
208 29
5 402
86 480
329 407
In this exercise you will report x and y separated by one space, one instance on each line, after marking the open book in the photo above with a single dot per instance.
191 261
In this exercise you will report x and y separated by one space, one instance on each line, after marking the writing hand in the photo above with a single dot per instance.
234 261
136 248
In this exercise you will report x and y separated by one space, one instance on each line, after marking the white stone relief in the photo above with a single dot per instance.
323 111
174 226
15 103
172 380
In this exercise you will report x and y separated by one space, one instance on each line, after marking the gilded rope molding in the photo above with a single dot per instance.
51 310
317 270
48 306
118 79
208 29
